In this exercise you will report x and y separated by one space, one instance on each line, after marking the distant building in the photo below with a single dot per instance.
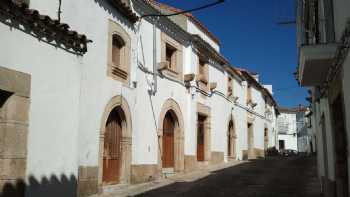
292 130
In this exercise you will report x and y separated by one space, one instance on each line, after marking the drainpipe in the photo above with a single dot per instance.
155 70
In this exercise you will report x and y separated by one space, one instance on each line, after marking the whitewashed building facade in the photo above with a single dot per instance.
122 99
324 68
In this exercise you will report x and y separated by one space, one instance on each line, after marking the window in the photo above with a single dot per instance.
170 56
249 94
202 71
229 86
117 46
119 53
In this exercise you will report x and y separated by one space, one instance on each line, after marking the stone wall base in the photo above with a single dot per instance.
259 153
244 155
190 163
87 181
216 158
144 173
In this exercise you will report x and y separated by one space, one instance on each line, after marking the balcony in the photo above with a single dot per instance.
314 62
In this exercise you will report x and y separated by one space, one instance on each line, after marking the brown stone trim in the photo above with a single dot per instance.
87 181
232 135
177 72
205 111
121 72
14 118
245 154
217 158
126 142
15 82
179 146
250 138
190 163
259 153
144 173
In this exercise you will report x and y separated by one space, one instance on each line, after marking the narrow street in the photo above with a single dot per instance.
274 177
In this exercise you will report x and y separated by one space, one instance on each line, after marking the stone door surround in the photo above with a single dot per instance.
14 120
171 106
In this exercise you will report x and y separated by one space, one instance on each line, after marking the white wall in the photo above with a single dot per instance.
69 94
54 102
290 141
193 29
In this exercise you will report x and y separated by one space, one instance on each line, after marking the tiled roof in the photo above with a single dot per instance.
293 110
251 79
190 16
123 6
43 26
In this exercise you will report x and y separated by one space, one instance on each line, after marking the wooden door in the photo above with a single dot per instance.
168 141
229 151
112 153
229 140
250 141
341 146
200 138
266 139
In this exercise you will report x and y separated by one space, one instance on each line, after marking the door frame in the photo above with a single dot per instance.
126 140
231 137
204 110
179 147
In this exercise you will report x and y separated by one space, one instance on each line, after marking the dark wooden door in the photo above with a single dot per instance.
341 147
168 141
266 139
250 139
281 144
229 139
112 153
200 139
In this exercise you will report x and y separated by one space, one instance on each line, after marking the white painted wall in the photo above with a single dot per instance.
193 29
290 141
69 94
54 103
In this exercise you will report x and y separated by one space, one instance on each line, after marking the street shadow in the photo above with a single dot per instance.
52 186
255 178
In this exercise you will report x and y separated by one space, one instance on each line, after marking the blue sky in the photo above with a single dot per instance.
250 38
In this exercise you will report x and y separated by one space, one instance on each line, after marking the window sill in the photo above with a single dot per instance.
116 71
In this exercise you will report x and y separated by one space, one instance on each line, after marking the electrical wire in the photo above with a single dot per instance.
185 11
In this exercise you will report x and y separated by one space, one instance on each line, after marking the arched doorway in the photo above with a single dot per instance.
115 143
169 125
231 140
112 147
266 139
251 153
171 138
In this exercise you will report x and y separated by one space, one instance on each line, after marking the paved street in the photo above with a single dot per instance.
275 177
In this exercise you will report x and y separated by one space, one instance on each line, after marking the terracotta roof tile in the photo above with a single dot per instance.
44 26
190 16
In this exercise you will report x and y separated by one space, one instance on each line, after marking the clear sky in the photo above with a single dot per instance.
251 38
